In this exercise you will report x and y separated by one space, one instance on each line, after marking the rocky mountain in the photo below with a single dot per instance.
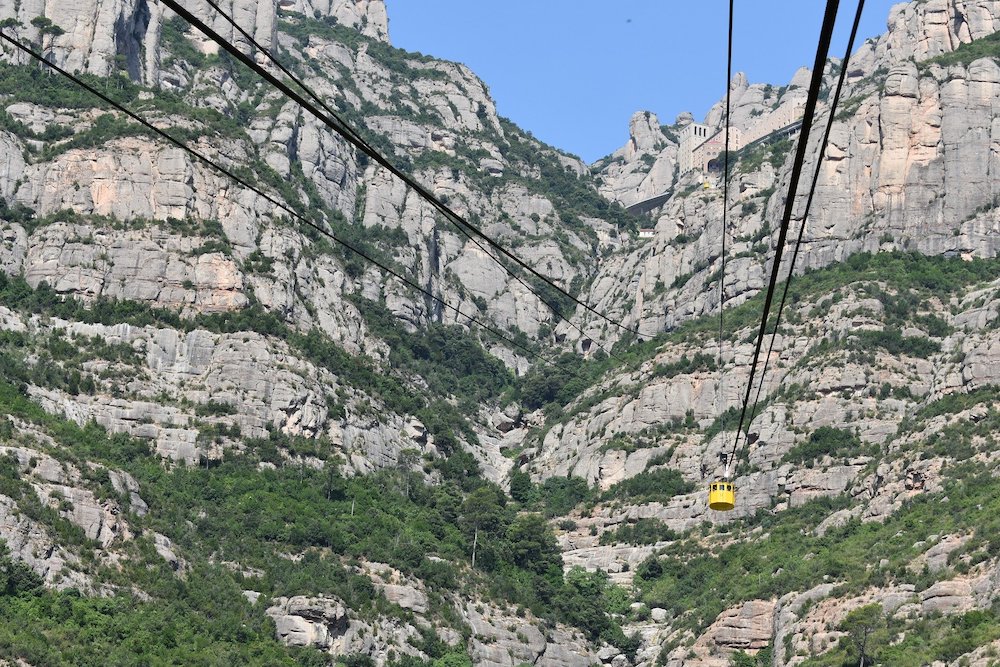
899 155
229 439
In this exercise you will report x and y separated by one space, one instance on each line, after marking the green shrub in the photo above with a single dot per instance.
651 486
559 495
828 441
985 47
643 531
893 342
685 365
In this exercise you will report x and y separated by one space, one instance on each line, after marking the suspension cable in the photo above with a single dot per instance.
808 206
725 209
822 49
278 203
338 125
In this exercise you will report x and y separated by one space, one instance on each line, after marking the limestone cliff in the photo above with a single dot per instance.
898 172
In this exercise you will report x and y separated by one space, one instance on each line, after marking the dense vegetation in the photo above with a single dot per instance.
449 358
235 511
924 641
643 531
751 158
202 619
651 486
558 496
827 441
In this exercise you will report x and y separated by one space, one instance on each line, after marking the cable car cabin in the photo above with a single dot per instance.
721 496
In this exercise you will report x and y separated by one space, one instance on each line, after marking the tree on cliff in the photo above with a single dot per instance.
46 28
867 632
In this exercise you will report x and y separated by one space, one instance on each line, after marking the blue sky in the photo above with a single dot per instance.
574 71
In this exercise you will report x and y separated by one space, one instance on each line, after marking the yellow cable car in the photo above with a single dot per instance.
721 496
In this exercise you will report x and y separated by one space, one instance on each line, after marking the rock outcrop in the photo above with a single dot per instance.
326 623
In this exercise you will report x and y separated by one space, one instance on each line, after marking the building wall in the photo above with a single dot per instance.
712 148
692 136
781 117
694 132
697 148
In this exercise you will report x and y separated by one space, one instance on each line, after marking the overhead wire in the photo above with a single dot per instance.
725 205
372 150
822 49
333 121
278 203
809 200
460 223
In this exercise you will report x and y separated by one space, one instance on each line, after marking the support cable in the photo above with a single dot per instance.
822 49
805 214
371 150
278 203
335 123
725 207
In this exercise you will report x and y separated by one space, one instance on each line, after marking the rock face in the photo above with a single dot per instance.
259 383
128 267
642 168
103 37
325 623
502 640
125 182
499 638
915 130
62 487
95 34
921 30
397 589
747 628
367 16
